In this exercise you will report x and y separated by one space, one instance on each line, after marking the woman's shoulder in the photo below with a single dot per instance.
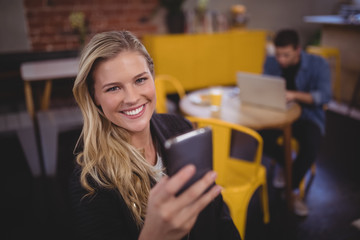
103 213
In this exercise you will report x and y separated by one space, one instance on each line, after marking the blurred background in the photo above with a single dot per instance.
34 203
44 25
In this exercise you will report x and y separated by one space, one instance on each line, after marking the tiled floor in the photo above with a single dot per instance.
37 208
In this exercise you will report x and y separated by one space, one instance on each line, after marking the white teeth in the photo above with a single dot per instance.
135 111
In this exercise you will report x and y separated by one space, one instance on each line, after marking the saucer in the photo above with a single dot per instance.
200 99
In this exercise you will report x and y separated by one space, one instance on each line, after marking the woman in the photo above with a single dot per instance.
120 190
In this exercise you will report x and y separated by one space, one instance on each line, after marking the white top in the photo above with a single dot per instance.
159 166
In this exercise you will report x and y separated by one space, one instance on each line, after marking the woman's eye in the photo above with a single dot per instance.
140 80
112 89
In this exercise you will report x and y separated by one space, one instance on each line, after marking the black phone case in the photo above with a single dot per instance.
194 147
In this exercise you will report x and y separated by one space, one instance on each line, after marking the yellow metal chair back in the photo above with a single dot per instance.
240 176
330 53
166 84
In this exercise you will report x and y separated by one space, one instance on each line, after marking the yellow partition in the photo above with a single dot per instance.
202 60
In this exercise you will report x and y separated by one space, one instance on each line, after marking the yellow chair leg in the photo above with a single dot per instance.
238 212
302 188
303 182
243 224
313 170
265 203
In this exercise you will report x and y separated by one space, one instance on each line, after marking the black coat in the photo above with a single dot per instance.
106 216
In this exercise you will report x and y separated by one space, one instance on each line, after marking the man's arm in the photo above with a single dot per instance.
320 92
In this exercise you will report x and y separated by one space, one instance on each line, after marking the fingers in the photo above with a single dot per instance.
197 189
290 95
177 215
205 199
192 210
287 95
180 178
166 189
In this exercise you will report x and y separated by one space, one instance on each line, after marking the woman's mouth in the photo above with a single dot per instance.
134 112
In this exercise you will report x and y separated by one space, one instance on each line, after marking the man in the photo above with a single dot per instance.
308 83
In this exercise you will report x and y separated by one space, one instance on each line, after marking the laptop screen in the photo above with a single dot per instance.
263 90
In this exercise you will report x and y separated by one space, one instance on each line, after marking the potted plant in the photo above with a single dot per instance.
175 17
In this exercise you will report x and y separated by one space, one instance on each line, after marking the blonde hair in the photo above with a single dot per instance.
108 159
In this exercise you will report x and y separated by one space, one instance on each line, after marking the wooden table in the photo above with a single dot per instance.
232 110
45 71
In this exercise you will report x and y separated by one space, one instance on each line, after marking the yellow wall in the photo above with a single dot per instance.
202 60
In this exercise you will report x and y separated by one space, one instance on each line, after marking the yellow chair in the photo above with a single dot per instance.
242 175
330 53
166 84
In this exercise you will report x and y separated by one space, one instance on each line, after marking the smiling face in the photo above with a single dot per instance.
287 55
124 88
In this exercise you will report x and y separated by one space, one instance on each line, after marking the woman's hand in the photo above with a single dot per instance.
170 216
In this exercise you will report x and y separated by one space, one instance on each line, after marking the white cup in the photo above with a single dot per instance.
215 98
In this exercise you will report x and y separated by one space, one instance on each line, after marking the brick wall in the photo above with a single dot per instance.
49 27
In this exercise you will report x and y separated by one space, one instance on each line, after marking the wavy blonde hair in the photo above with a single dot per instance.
107 158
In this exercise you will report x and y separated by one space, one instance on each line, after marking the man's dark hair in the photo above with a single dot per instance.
286 37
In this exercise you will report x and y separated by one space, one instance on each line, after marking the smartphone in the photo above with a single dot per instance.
194 147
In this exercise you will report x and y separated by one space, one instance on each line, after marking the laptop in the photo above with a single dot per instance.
263 90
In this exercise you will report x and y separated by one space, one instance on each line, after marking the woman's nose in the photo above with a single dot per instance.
131 95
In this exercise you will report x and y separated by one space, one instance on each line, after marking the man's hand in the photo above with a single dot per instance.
302 97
